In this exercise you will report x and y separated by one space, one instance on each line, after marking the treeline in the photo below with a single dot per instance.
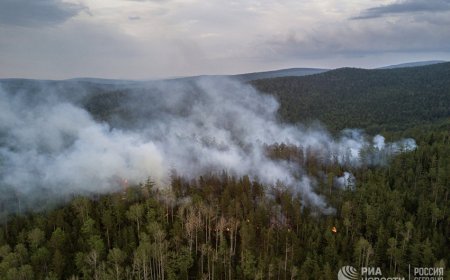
219 226
375 100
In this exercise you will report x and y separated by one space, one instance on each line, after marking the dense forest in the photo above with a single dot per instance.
223 226
376 100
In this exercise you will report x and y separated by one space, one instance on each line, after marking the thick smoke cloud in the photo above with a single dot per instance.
57 141
57 147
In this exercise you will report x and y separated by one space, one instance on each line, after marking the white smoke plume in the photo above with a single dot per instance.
75 138
346 181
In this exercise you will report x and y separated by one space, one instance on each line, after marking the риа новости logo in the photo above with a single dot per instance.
347 273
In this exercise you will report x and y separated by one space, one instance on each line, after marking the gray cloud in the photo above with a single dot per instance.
411 35
37 12
64 52
165 38
406 6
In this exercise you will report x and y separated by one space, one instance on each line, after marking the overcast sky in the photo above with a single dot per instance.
144 39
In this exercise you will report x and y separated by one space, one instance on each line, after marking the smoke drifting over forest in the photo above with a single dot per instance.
66 138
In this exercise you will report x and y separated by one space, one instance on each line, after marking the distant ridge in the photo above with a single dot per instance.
412 64
245 77
291 72
102 80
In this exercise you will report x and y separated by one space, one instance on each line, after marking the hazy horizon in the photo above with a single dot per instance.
208 74
149 39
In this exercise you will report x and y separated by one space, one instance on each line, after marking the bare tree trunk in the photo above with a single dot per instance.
154 270
144 268
213 266
285 259
162 267
107 238
229 270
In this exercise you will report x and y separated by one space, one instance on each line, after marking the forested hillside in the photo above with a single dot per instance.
384 99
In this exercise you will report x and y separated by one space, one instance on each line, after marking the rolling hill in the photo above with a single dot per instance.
412 64
292 72
390 99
